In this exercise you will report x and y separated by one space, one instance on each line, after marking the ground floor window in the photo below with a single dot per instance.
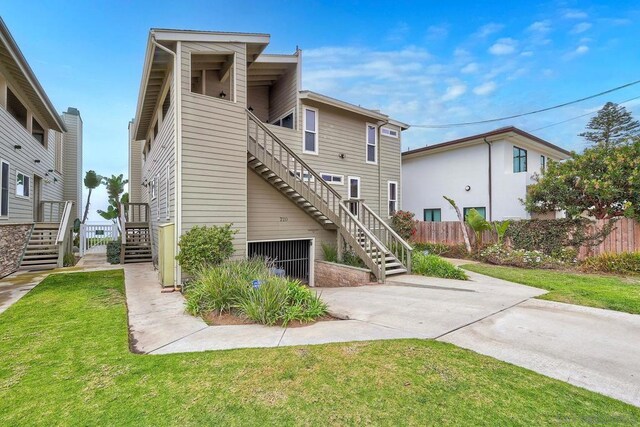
332 179
392 197
432 215
481 210
22 185
4 188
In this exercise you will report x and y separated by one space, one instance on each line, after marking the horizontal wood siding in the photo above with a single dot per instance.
13 133
258 99
214 150
160 157
72 164
283 95
272 216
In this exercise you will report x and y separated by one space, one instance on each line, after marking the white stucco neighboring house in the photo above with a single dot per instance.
488 171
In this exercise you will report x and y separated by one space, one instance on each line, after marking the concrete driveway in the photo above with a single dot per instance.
588 347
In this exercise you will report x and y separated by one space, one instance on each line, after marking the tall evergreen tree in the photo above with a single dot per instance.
613 126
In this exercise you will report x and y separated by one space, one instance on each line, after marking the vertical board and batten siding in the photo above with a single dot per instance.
72 163
341 132
283 95
13 133
272 216
214 149
161 155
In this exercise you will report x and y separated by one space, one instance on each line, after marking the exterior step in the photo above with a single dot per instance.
395 271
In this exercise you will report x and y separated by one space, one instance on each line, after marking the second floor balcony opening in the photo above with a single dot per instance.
213 75
272 86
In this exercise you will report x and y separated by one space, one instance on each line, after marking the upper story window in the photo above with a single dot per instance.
310 136
153 189
22 185
543 163
16 108
38 132
213 75
393 197
432 215
4 188
165 104
372 143
284 121
155 130
389 132
519 160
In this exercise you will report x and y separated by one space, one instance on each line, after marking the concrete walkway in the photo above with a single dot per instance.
16 285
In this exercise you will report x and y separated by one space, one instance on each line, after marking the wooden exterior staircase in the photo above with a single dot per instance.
50 237
136 243
372 239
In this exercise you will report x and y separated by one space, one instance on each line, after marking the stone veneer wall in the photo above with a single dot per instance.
13 241
332 275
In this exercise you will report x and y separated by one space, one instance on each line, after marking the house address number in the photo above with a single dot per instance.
284 219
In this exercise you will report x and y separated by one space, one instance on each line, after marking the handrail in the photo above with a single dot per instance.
53 213
261 125
387 227
366 230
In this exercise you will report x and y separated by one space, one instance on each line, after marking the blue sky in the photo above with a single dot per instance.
420 62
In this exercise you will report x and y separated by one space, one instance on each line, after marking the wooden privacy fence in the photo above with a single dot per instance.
625 236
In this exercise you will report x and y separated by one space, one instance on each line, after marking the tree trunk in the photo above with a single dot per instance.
86 208
467 243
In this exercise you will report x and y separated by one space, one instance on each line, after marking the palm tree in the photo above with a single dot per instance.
91 180
115 188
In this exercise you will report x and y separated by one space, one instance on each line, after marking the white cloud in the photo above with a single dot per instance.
470 68
527 53
574 14
504 46
542 27
485 88
488 29
581 27
579 51
454 91
437 32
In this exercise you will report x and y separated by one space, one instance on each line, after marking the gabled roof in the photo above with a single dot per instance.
479 138
327 100
21 74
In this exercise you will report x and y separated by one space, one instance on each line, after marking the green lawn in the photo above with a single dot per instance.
66 360
612 292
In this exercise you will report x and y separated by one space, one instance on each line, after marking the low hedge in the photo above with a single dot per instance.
113 252
434 266
443 249
623 263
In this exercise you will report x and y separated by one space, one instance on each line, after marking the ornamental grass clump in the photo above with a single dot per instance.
623 263
432 265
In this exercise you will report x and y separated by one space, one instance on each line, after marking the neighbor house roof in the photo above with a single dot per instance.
494 135
327 100
21 75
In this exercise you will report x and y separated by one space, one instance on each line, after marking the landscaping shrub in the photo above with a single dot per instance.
404 224
251 289
113 252
433 265
69 259
203 247
623 263
500 255
329 253
350 258
443 249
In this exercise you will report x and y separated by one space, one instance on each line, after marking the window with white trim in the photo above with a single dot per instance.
22 184
4 188
389 132
166 200
392 197
372 144
310 134
332 178
285 121
153 189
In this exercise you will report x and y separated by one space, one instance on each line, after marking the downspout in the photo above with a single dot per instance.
490 182
177 90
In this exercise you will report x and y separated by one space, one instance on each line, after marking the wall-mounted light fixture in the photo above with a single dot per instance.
36 161
467 188
55 179
223 95
17 147
341 155
250 108
50 170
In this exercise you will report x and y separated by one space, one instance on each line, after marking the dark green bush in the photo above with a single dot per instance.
113 252
623 263
433 265
443 249
203 247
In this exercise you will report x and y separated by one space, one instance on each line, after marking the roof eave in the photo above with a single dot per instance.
323 99
143 84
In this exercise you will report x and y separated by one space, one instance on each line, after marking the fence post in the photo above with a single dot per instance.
82 239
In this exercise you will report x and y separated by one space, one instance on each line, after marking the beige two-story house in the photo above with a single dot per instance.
224 133
40 166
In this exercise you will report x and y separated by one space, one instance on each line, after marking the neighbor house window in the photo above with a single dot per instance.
372 139
4 188
392 197
519 160
22 185
332 178
310 125
481 210
389 132
285 121
16 109
543 163
432 215
38 132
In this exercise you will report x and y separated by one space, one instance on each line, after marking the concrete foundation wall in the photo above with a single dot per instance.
14 238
